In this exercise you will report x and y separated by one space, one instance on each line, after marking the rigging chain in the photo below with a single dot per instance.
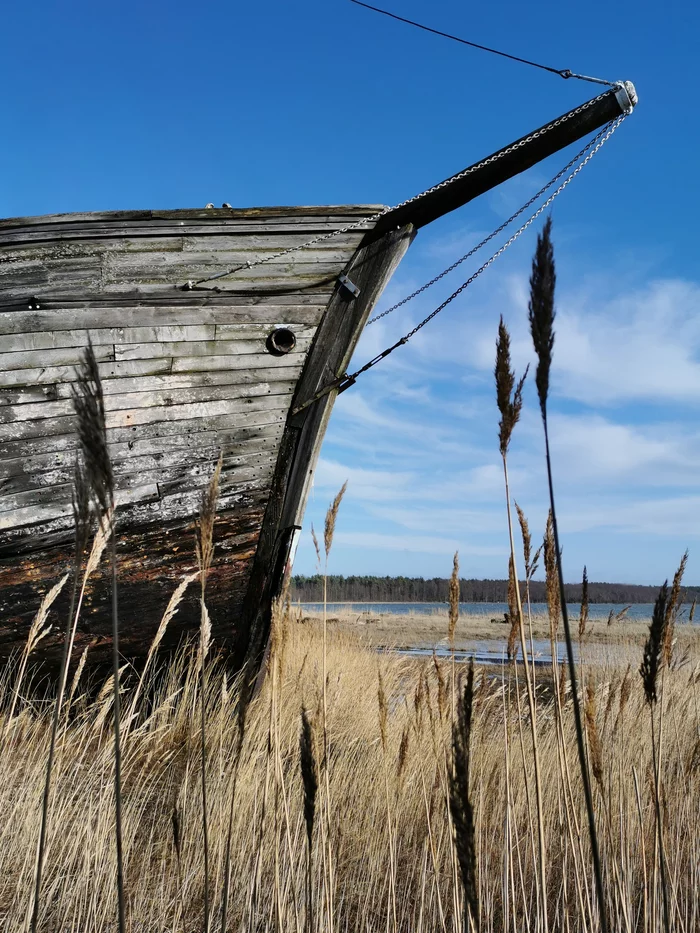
192 284
506 223
345 381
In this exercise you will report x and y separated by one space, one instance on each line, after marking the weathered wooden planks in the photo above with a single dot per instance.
16 316
156 398
187 375
187 432
151 562
339 331
114 256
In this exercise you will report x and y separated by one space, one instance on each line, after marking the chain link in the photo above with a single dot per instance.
372 219
533 217
506 223
345 381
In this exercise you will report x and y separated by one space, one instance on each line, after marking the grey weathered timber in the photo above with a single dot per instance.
187 375
180 309
370 269
513 159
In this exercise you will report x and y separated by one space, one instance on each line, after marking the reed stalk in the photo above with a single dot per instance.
531 562
541 317
244 694
509 398
652 661
81 523
328 533
89 406
309 775
382 715
204 548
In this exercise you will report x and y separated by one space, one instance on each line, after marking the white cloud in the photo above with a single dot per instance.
667 516
372 485
420 544
612 346
417 437
594 447
639 346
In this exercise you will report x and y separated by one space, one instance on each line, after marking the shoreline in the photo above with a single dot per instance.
427 631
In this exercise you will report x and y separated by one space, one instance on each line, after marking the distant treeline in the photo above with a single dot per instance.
419 590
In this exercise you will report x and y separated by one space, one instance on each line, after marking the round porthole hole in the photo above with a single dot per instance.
281 341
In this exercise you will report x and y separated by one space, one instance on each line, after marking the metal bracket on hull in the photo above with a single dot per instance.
348 285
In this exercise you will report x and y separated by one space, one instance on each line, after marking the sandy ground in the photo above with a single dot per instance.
429 630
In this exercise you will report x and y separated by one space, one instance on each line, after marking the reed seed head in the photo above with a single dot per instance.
402 756
309 773
527 540
541 310
509 396
535 561
88 404
331 516
39 628
653 649
672 609
453 600
419 694
594 745
442 687
461 807
691 614
551 577
316 547
204 541
482 692
612 691
78 674
204 636
583 617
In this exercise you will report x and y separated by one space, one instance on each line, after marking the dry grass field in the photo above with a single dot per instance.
421 629
348 789
382 855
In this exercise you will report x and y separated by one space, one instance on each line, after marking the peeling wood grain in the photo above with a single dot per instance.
186 375
370 269
151 564
243 443
185 350
229 425
245 410
238 309
238 394
29 394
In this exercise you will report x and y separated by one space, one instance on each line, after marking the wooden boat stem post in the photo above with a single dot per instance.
369 270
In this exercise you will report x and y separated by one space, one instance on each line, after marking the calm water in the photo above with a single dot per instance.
489 651
496 610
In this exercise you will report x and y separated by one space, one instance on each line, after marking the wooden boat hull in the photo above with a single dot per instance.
187 374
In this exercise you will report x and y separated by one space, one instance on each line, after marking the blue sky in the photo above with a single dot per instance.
164 105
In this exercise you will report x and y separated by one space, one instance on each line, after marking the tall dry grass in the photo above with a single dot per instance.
346 789
389 861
